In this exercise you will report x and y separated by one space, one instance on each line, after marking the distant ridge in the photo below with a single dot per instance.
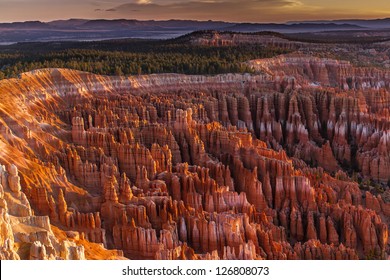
26 24
383 23
294 27
101 29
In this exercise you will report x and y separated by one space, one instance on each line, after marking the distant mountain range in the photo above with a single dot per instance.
83 29
364 23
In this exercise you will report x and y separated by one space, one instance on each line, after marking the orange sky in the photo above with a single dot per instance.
227 10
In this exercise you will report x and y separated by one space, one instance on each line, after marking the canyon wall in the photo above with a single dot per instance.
236 166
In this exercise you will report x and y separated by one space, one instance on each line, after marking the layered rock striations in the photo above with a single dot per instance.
325 72
193 167
215 38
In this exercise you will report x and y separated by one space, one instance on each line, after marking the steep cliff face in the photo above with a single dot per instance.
215 38
20 229
308 70
193 167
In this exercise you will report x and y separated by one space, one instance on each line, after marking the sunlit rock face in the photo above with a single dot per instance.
215 38
196 167
314 71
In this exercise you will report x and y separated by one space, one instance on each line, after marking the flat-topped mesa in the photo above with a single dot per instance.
233 166
215 38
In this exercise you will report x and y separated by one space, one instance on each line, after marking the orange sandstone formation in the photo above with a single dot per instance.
194 167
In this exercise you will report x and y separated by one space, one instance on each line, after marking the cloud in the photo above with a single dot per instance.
227 10
230 10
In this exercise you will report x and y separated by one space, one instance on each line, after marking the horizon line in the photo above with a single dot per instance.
197 20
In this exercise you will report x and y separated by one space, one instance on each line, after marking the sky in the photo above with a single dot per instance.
225 10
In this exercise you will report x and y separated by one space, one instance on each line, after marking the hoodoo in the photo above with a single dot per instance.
235 166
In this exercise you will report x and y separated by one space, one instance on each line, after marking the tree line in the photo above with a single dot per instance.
130 57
